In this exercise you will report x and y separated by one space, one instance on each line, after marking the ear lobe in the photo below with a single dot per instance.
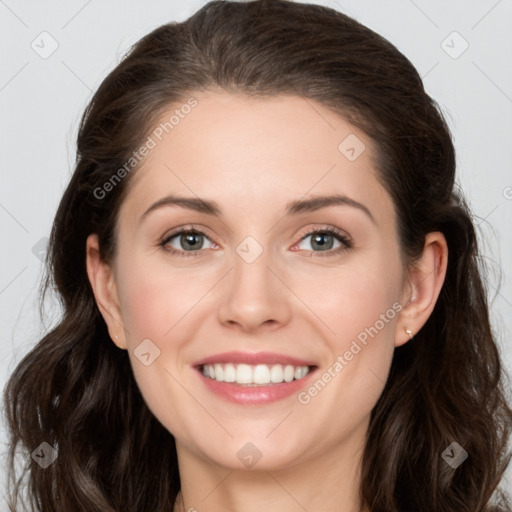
101 277
426 279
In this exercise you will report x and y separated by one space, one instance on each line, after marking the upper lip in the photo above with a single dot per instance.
254 359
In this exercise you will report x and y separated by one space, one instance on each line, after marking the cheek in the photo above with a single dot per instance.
356 298
360 305
366 303
157 305
154 299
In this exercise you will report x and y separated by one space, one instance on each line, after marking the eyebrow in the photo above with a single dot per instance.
293 208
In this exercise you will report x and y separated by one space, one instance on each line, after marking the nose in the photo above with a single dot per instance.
255 296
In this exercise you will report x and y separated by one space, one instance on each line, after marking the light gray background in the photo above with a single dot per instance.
42 99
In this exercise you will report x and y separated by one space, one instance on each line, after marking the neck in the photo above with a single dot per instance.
330 482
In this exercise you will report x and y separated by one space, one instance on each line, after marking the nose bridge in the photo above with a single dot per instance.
251 264
254 295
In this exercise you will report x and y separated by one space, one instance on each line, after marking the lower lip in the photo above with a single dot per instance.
255 395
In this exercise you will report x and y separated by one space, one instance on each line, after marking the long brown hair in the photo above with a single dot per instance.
75 390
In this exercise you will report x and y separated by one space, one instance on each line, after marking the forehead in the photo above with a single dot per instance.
263 152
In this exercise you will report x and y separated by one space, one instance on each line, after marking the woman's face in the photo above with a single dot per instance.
251 290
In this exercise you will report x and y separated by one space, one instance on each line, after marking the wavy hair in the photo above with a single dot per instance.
76 391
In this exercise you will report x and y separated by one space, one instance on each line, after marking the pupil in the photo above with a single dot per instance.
319 240
190 238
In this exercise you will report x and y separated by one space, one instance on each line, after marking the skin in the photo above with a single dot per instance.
253 156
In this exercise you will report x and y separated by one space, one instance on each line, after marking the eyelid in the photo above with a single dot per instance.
326 229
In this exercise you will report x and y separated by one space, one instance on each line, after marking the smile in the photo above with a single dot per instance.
254 375
246 378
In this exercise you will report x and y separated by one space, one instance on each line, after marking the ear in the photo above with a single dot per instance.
425 281
101 277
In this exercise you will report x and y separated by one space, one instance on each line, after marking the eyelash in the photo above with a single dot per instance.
343 238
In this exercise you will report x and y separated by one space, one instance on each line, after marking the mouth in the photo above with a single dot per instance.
254 379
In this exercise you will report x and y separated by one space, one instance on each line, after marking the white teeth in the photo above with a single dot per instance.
219 373
298 372
289 372
276 374
261 374
243 374
229 373
254 374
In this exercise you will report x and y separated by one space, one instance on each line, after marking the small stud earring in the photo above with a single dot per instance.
409 332
122 348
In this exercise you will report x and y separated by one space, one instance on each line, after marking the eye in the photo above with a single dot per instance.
190 242
324 239
184 241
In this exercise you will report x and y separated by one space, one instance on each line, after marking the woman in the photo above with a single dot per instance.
271 290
